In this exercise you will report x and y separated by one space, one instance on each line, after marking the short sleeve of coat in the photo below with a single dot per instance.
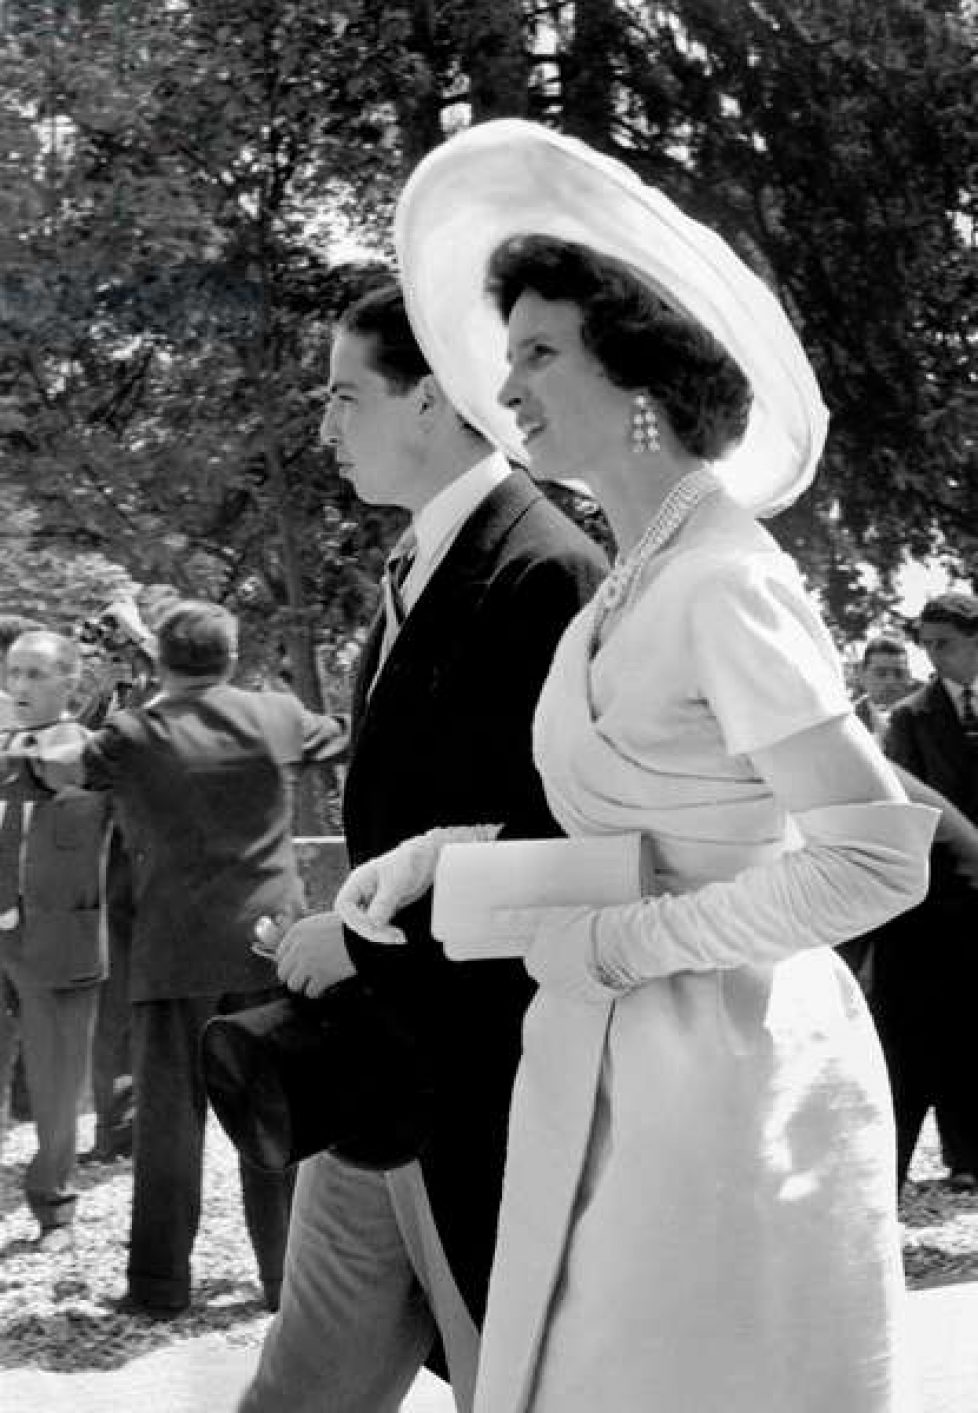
324 738
103 757
764 659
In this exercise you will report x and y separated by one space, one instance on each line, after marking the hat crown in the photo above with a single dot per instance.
509 177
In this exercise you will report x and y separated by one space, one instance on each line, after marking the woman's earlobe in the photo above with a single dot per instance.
429 393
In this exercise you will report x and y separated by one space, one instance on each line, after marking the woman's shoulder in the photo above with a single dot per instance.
724 549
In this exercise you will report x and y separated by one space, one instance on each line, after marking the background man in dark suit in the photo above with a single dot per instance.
925 973
202 781
128 679
380 1265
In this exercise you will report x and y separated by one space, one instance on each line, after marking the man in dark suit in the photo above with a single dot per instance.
382 1266
202 783
925 973
128 679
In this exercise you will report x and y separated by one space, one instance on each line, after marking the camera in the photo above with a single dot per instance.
105 631
117 629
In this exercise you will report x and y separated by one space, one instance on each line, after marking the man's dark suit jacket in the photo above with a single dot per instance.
925 966
445 738
926 737
203 789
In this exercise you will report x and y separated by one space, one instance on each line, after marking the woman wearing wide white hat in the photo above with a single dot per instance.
699 1211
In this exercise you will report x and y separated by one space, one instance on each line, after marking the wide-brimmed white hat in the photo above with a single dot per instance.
507 178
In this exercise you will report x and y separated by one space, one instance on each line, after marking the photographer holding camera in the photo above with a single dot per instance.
203 777
127 648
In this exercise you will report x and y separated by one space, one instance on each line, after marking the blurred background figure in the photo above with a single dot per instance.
14 1102
126 648
884 677
925 976
202 777
125 652
11 627
52 947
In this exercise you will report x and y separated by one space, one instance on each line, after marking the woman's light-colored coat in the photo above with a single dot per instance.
699 1209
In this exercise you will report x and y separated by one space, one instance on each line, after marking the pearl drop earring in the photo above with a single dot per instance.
645 427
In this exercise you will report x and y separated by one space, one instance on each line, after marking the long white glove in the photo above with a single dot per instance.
378 889
860 866
955 828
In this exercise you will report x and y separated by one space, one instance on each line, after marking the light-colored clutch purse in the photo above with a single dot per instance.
475 881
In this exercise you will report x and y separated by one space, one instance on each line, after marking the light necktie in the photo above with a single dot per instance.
398 567
969 718
396 571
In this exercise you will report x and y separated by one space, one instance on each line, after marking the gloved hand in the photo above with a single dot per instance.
378 889
559 946
860 865
312 955
954 828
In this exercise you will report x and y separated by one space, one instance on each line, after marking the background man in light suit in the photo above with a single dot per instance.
379 1266
202 785
52 926
925 973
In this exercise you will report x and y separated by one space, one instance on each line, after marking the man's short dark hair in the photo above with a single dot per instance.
958 609
197 639
884 645
381 319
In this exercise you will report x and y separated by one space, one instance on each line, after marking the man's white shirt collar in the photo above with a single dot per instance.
437 523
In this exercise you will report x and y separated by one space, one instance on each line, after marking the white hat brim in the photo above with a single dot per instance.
508 177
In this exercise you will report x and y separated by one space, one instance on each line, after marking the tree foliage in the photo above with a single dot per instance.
178 182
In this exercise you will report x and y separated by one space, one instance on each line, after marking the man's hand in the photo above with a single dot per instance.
312 955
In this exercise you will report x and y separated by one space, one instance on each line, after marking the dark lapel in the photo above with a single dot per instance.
445 609
366 671
943 725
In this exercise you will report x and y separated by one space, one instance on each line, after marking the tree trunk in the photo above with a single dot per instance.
297 632
492 46
588 76
419 103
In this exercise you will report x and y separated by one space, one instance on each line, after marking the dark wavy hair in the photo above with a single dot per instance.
642 343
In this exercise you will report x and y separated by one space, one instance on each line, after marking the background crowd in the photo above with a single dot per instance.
130 906
118 1017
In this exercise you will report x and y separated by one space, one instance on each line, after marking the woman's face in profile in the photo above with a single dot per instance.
570 413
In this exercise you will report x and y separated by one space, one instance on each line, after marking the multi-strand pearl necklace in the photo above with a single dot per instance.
617 590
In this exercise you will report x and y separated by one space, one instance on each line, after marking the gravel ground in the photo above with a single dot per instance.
56 1312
